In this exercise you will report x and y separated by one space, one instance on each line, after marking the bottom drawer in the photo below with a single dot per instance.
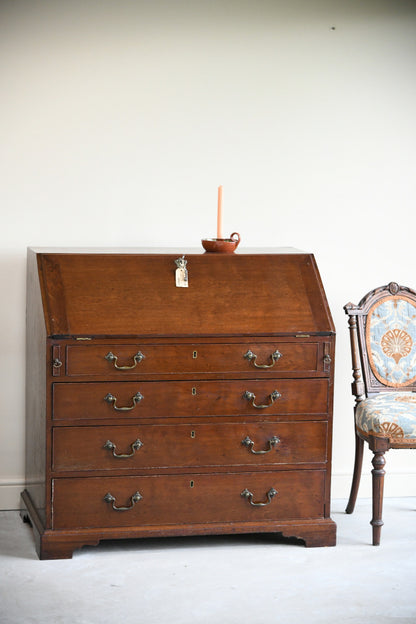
187 499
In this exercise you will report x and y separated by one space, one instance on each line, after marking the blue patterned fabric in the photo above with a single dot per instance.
391 341
388 415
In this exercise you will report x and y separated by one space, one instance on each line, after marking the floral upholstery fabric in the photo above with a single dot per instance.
388 415
391 341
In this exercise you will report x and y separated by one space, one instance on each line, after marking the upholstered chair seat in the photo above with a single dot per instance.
390 415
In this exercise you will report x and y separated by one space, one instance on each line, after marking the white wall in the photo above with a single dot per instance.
120 119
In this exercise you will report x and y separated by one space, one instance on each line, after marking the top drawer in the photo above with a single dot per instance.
109 360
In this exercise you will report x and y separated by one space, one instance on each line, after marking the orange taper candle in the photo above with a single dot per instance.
219 213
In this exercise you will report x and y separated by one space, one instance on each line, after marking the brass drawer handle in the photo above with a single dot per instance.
110 357
251 357
250 396
109 498
249 496
110 398
134 447
249 444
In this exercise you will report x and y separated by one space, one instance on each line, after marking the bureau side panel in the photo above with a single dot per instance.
330 350
35 389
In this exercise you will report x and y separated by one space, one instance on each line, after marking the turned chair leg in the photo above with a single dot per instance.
378 473
358 464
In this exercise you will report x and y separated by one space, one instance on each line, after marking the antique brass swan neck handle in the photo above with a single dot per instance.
109 498
250 396
110 357
110 446
249 496
252 357
110 398
250 444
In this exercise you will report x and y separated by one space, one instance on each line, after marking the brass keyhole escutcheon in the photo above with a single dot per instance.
195 354
191 484
193 434
193 391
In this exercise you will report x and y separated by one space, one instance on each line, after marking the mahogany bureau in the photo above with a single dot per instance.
161 404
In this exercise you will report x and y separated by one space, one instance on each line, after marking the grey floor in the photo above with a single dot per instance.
227 579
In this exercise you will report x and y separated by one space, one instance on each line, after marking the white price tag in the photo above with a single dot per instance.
181 273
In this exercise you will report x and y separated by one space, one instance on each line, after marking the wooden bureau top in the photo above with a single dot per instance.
113 294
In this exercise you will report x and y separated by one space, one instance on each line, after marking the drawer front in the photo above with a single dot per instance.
136 360
162 446
115 400
187 499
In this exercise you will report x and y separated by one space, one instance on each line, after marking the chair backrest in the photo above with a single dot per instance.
383 340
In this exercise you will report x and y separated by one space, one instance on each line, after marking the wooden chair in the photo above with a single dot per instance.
383 344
